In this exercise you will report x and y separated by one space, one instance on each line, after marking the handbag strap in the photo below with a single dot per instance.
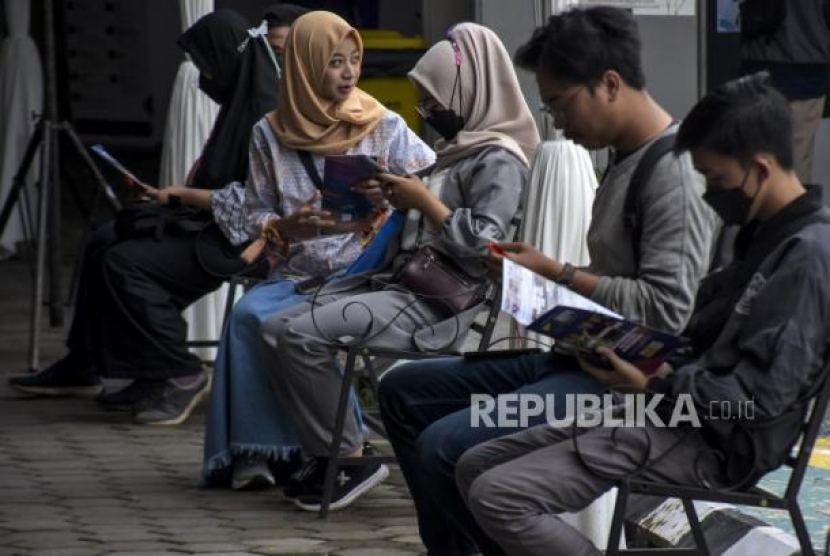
311 169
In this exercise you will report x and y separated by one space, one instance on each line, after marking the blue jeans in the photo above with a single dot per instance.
426 410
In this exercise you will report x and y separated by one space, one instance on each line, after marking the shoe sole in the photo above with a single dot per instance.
116 408
183 416
258 482
65 392
380 475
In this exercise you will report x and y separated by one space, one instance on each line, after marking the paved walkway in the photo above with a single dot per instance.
75 481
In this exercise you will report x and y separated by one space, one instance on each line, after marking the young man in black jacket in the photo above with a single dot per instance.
759 332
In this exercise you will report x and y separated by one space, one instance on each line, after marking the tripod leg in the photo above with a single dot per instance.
37 295
19 181
103 186
55 237
103 189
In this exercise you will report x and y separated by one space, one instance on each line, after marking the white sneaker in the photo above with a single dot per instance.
251 473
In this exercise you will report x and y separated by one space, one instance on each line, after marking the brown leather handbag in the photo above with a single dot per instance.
433 275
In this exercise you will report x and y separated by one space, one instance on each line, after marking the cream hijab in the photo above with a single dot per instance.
305 120
492 105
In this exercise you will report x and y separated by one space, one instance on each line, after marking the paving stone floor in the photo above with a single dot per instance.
75 481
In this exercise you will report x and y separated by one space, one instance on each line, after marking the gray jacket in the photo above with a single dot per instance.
483 191
675 243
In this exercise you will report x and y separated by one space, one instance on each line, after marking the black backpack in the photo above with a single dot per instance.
722 250
632 214
761 18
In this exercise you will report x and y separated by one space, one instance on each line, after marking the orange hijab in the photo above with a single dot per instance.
305 120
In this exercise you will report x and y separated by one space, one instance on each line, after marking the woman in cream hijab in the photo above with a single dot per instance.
471 95
321 111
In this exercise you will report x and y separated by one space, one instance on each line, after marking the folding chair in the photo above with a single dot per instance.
369 355
234 283
754 496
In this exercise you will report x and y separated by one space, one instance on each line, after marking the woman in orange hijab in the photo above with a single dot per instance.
321 112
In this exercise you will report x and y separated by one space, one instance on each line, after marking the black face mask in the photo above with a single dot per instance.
212 89
732 205
446 122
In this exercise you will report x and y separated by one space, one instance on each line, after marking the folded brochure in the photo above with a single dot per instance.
578 325
579 332
340 173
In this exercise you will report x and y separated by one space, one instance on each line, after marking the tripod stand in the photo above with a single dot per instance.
47 138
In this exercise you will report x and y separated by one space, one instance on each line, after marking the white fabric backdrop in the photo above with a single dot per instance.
190 118
21 95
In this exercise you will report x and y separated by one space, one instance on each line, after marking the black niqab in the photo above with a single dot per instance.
237 72
279 15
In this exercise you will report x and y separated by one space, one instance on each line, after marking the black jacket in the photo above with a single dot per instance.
771 345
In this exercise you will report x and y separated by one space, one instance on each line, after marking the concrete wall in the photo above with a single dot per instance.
670 61
514 23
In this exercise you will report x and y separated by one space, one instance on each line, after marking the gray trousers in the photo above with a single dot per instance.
516 485
807 115
300 355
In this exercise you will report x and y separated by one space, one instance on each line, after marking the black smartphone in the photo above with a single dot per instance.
497 353
309 285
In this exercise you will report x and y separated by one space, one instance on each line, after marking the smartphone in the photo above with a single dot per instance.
495 249
309 285
112 161
498 353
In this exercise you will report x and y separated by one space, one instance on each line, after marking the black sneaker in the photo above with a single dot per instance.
308 479
126 399
352 482
172 405
63 378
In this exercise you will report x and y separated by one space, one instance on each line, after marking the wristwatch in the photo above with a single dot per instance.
566 277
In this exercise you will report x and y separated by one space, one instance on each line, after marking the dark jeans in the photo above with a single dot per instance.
81 340
426 410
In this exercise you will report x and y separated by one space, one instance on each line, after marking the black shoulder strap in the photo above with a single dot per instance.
632 216
311 169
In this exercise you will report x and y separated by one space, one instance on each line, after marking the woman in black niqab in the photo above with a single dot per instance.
238 72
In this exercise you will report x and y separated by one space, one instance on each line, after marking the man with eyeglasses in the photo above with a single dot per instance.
589 73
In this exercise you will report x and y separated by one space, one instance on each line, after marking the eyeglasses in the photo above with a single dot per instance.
426 107
561 105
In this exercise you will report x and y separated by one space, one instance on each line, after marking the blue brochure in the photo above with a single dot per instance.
579 332
340 173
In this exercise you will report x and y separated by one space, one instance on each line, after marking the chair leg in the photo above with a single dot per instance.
229 300
613 548
337 436
694 525
801 530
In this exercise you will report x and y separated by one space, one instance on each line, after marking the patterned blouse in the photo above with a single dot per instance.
227 206
278 186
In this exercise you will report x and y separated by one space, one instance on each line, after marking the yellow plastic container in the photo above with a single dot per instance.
388 56
382 39
396 93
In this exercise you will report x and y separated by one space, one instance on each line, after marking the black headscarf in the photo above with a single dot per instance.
282 15
237 72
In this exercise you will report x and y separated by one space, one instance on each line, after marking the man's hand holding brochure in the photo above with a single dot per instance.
579 326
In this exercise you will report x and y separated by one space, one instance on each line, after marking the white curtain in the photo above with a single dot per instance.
21 96
190 118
